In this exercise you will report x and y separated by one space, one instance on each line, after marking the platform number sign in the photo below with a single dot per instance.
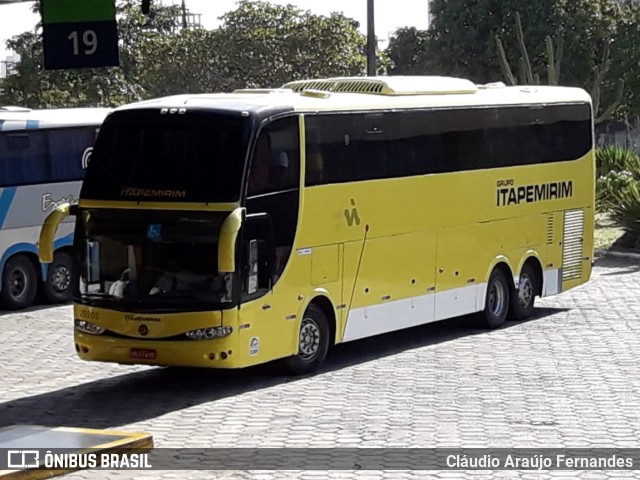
79 34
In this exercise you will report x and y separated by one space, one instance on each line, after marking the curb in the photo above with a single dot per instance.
616 254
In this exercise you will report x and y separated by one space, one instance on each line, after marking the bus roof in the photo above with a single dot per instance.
370 93
12 118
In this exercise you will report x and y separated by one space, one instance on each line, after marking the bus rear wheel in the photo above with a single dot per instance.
496 304
19 283
522 302
313 342
57 288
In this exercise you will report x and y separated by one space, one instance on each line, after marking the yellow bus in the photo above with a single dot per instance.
234 229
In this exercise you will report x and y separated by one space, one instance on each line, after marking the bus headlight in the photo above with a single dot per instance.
88 327
209 333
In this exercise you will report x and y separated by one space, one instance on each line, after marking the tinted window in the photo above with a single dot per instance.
275 162
364 146
193 157
69 149
44 156
273 189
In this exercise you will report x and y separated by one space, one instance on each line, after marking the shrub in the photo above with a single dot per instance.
608 186
625 210
616 169
617 159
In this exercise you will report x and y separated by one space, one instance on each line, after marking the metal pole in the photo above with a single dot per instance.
371 40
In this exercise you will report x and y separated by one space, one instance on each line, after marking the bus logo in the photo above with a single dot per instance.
515 195
86 157
254 346
50 203
23 459
352 215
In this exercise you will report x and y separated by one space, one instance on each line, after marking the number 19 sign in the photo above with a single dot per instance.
79 34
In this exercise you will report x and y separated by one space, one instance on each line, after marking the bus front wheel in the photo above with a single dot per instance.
57 288
313 342
496 304
19 283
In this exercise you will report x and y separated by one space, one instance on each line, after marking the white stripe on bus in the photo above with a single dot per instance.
386 317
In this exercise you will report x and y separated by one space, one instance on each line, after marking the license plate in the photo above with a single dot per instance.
143 353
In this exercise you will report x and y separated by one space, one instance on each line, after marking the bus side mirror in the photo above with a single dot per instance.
227 242
49 229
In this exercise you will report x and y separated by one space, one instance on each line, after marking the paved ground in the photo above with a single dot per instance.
568 378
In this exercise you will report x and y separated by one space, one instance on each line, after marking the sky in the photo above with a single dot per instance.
389 14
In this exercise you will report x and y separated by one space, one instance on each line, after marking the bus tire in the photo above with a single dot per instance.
313 343
496 304
523 298
19 283
58 288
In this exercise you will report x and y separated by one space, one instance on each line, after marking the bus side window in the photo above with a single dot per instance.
259 175
278 169
27 161
402 158
432 150
315 166
274 178
68 148
269 169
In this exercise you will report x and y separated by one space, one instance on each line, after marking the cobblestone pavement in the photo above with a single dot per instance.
568 378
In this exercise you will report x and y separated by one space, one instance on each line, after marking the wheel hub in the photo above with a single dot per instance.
497 299
61 278
18 284
309 338
525 291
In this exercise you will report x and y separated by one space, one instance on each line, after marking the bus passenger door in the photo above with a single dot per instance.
255 269
272 205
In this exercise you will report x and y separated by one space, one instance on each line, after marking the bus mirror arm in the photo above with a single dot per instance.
228 239
49 229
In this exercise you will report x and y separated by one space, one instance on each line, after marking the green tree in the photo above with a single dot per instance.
625 61
268 45
462 35
258 45
554 60
34 87
407 52
190 62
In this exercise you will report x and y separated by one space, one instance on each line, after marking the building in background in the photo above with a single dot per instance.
7 66
187 20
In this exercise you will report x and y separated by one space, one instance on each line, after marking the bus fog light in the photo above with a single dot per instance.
88 327
209 333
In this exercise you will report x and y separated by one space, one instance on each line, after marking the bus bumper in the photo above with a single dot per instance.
215 353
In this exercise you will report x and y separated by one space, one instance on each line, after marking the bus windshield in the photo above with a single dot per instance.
189 157
159 260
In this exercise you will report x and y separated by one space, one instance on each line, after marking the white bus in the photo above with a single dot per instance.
43 154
